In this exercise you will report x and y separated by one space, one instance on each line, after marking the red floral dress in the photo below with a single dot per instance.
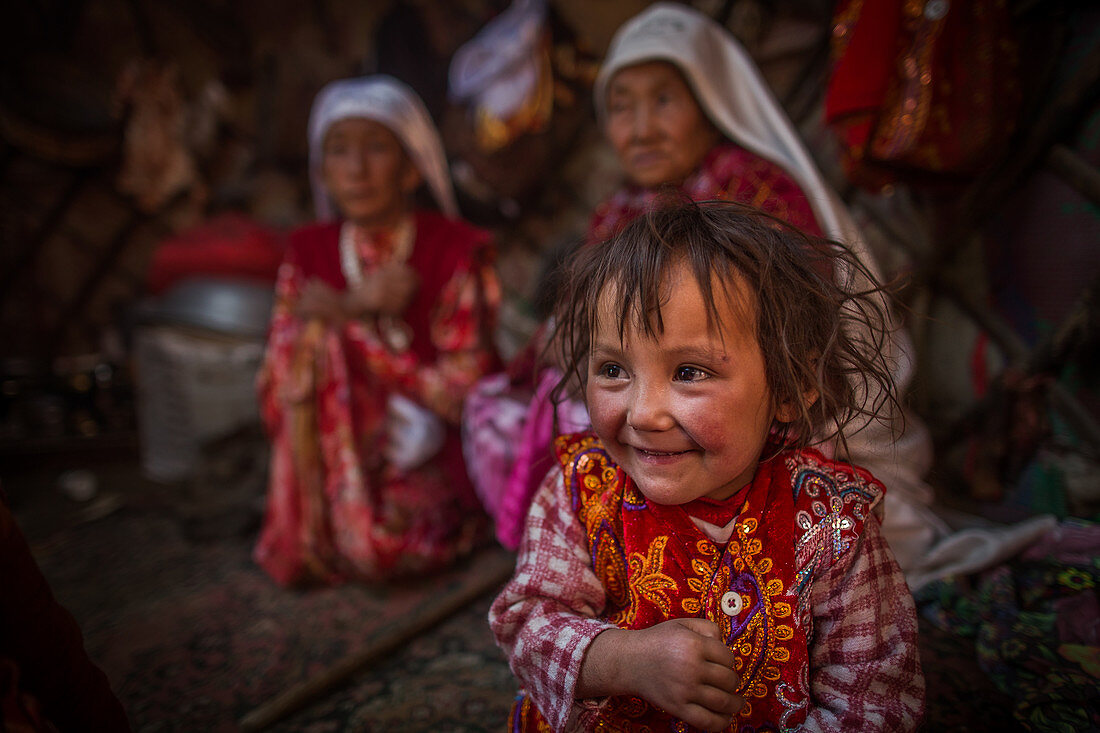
336 509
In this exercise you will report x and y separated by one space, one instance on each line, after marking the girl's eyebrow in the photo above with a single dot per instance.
602 350
707 353
715 353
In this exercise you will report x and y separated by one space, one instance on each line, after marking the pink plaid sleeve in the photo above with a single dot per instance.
545 618
865 671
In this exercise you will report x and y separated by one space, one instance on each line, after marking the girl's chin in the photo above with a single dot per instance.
668 493
667 498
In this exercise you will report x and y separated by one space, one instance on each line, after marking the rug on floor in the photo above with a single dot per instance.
195 636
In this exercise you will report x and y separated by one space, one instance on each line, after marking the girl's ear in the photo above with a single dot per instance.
789 411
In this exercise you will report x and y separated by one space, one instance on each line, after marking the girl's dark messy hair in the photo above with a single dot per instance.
821 318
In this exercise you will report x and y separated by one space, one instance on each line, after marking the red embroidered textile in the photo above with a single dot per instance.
922 92
336 509
718 513
804 553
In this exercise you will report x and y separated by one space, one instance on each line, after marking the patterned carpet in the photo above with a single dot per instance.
960 697
452 680
194 637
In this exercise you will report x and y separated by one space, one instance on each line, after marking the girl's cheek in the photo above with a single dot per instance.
604 410
703 424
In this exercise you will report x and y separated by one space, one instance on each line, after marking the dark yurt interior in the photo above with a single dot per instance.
154 160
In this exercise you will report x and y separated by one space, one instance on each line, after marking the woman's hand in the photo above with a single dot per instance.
320 301
415 433
680 665
386 291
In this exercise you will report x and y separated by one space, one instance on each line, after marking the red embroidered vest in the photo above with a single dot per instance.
799 516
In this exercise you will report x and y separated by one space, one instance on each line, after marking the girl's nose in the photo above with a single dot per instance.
649 408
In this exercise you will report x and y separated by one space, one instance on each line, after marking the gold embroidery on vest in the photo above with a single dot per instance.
647 579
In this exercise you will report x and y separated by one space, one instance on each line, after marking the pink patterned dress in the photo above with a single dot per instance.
336 508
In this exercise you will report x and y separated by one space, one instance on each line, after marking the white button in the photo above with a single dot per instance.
731 603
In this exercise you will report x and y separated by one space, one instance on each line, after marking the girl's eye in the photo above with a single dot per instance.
690 374
611 371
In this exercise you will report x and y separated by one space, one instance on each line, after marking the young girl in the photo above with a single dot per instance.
692 561
383 320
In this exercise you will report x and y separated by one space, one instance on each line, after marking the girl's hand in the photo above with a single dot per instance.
318 300
680 665
386 291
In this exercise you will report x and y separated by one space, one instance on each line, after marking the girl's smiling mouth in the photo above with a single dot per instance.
659 456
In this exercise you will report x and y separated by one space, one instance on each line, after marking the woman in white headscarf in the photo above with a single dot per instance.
383 319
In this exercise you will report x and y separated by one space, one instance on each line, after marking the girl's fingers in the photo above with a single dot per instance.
718 700
703 718
713 649
715 652
700 626
720 677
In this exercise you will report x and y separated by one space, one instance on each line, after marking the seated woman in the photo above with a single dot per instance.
383 320
684 107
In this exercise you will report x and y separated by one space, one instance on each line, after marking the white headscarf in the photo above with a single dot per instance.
392 103
731 92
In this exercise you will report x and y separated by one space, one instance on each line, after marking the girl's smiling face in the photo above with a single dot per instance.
686 412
